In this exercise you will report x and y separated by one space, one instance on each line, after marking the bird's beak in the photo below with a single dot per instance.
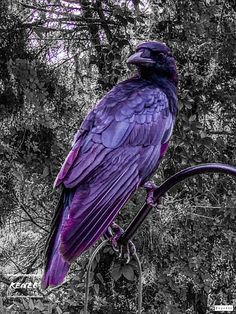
137 58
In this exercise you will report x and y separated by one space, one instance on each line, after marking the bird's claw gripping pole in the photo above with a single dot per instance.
144 211
119 249
118 231
87 281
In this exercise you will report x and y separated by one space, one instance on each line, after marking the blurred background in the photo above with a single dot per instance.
57 59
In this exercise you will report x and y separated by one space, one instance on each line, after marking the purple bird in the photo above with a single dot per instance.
116 150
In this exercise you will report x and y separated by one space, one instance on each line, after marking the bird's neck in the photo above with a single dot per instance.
167 85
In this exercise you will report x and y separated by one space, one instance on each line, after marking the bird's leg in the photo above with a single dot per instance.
150 188
118 231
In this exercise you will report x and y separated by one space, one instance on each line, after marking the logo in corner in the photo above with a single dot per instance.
24 286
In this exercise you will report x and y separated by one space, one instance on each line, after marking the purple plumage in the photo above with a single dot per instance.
118 147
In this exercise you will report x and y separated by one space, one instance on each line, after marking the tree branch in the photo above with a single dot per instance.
221 133
104 22
31 218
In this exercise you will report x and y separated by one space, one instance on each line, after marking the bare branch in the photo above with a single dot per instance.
31 218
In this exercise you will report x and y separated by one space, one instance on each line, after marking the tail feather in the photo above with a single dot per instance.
56 268
56 272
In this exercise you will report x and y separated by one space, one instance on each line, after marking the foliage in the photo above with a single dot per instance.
58 57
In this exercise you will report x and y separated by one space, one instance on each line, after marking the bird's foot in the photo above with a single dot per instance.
125 251
150 188
131 250
118 231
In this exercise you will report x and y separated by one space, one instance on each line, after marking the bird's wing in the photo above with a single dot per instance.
96 203
55 266
79 139
138 119
121 149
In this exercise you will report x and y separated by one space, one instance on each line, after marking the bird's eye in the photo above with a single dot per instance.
160 55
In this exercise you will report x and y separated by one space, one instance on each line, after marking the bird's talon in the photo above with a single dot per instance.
130 248
114 244
150 188
150 200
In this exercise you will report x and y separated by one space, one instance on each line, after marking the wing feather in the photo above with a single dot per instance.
85 165
86 225
113 123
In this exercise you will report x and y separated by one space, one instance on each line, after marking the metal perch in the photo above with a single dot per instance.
144 211
87 281
166 186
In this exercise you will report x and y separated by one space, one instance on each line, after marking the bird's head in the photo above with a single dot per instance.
155 57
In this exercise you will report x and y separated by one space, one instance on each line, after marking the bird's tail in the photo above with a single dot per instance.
56 267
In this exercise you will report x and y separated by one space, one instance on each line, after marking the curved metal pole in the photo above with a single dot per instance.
87 282
140 284
167 185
